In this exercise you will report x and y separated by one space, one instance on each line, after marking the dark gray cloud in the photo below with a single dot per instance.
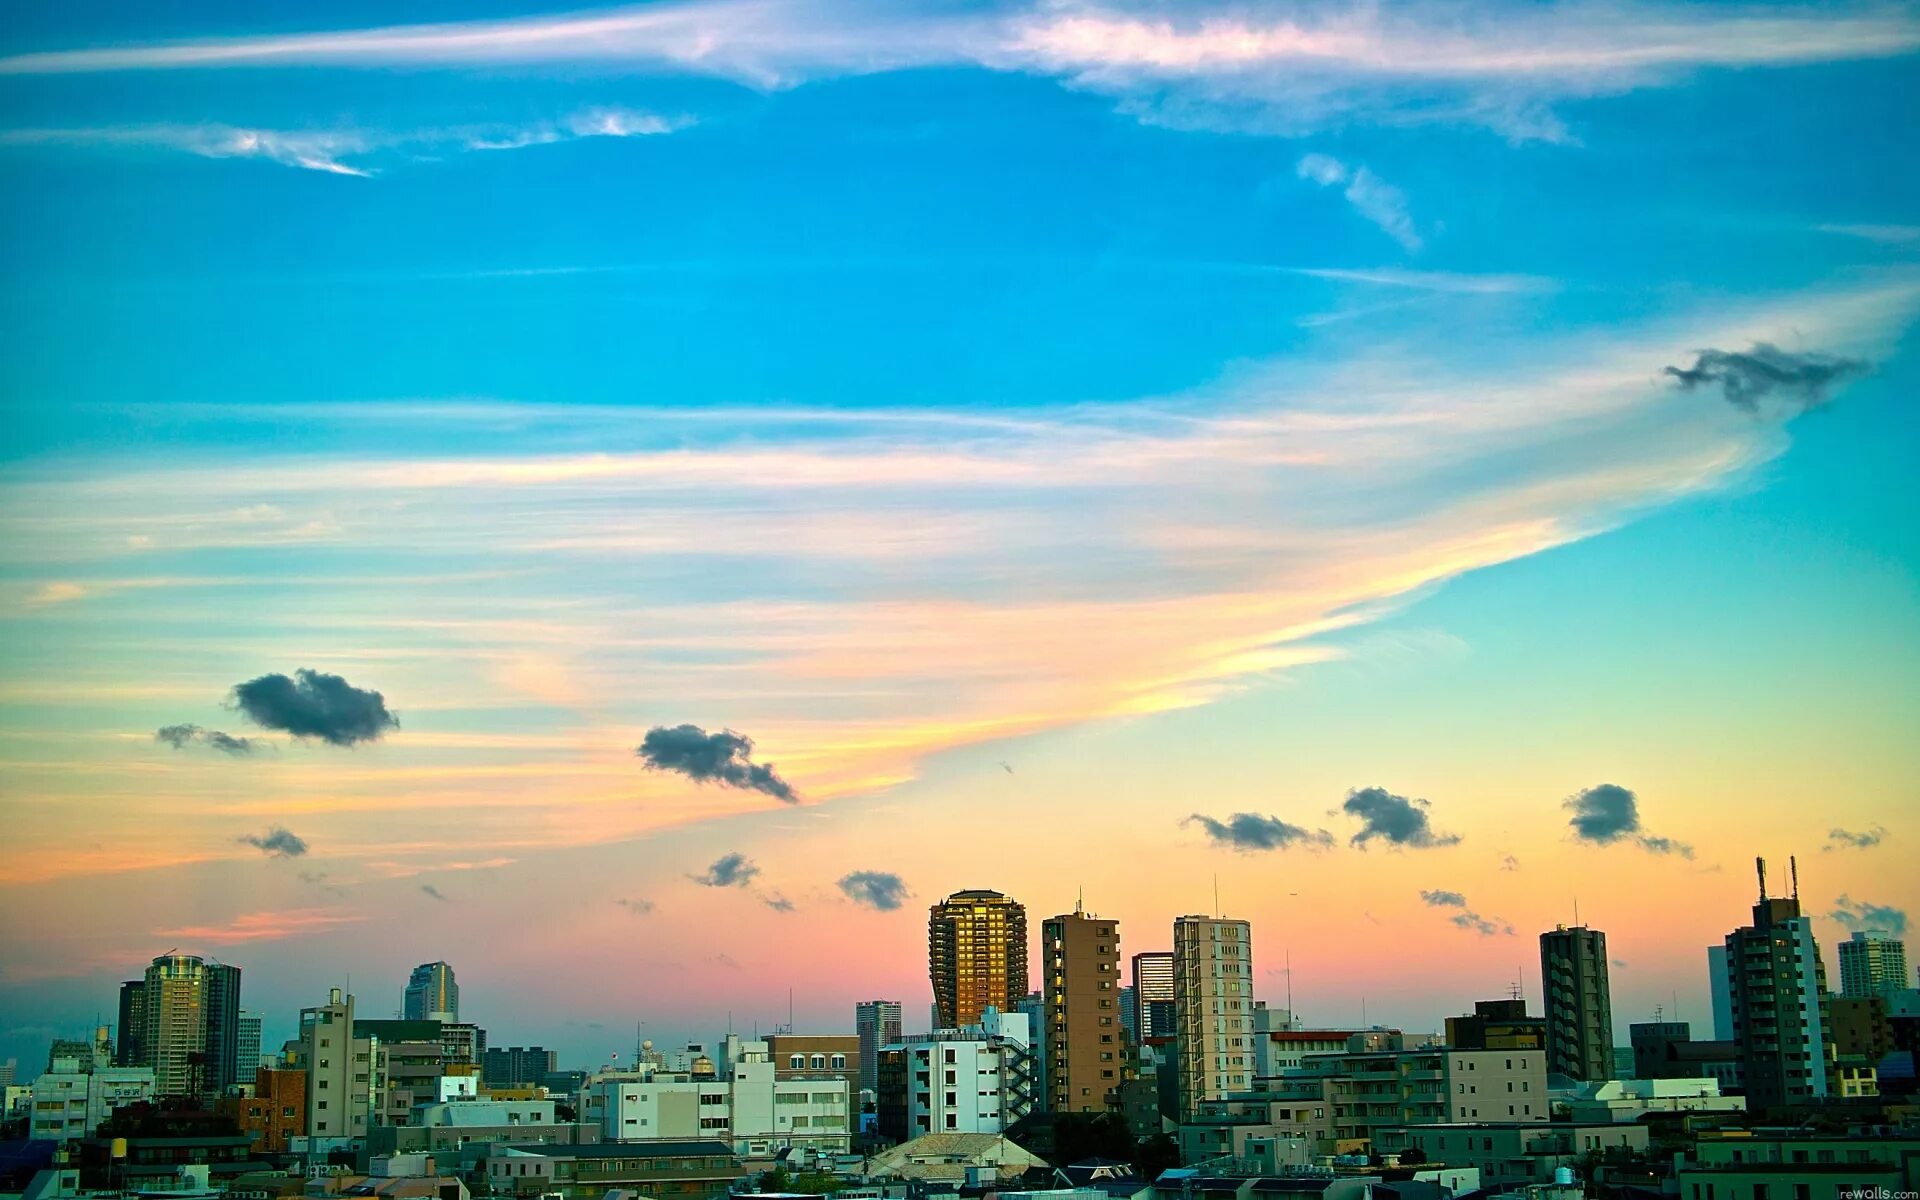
777 902
636 906
880 890
1247 831
314 704
723 758
1748 377
1619 964
436 893
1473 922
1443 899
729 870
1862 916
182 736
278 842
1607 813
1394 819
321 879
1842 839
1509 863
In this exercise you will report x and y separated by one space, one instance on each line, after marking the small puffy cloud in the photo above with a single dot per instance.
430 890
314 704
1608 813
636 906
182 736
723 757
1509 863
1748 377
729 870
1866 839
1371 196
882 891
1247 831
1443 899
777 902
1473 922
1862 916
276 842
1394 819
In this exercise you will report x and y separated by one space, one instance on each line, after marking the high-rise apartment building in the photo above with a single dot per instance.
877 1022
130 1049
247 1048
976 956
1213 1008
173 1027
518 1066
432 994
223 1067
1579 1003
1872 963
339 1069
1153 994
1777 989
1082 1039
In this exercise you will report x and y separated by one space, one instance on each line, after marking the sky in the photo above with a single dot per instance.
638 502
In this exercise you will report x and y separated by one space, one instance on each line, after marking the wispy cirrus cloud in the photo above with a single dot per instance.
352 152
1369 195
262 926
1502 66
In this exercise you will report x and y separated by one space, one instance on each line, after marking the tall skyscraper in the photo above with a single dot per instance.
1573 970
1082 1038
131 1049
223 1029
1777 988
1718 983
976 955
174 1025
1873 963
1213 1007
246 1055
878 1024
1153 993
432 995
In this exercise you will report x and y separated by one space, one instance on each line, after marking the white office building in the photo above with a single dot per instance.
749 1108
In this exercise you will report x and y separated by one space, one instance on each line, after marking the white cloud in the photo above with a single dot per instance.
1371 196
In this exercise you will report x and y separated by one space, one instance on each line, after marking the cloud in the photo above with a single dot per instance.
262 926
428 889
1748 377
1394 819
1841 839
729 870
181 736
703 757
1862 917
1619 964
1443 899
57 591
1473 922
277 843
1608 813
1509 863
777 902
1370 196
330 151
314 704
636 906
882 891
1250 831
1886 235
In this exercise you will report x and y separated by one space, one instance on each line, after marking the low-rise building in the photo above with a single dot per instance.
1768 1165
1635 1099
275 1113
700 1169
973 1080
1510 1154
82 1088
749 1109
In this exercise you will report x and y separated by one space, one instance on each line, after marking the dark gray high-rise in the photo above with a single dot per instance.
1573 970
223 1028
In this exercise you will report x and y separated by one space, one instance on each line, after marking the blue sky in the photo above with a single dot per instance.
1213 408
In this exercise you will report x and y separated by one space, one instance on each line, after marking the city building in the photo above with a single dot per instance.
275 1114
1718 991
750 1109
1666 1050
1213 1008
246 1055
432 994
976 956
1777 990
130 1050
690 1169
339 1070
1511 1154
1793 1165
973 1080
1650 1040
173 1024
1497 1025
1084 1044
1873 963
1636 1099
1579 1003
877 1024
1153 994
1278 1048
223 1065
518 1066
79 1091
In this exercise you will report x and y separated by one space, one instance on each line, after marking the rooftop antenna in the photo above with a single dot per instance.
1760 866
1289 957
1363 1013
1080 901
1216 893
1793 872
1576 912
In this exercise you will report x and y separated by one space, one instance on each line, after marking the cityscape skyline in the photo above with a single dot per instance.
638 510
